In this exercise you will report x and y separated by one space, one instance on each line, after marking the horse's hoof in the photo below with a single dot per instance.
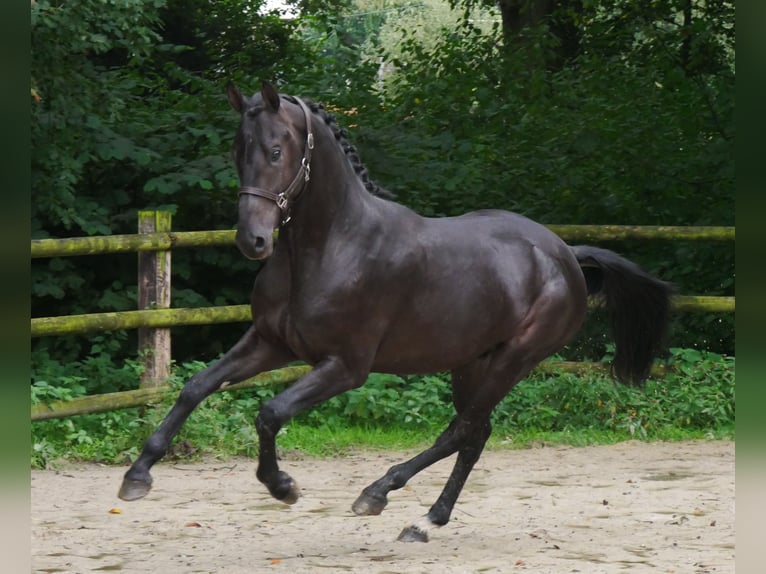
134 489
413 534
286 489
367 505
293 493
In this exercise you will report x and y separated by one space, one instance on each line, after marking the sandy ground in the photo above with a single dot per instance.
631 507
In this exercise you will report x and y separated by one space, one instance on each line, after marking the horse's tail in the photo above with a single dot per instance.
638 305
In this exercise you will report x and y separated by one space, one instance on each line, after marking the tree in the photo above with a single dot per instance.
522 21
629 131
630 120
125 118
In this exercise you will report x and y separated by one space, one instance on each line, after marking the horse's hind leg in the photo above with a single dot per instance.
464 432
440 512
478 387
476 391
465 383
249 356
374 498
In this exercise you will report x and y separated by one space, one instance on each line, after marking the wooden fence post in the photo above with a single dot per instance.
154 293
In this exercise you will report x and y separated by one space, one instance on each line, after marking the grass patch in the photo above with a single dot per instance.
334 441
339 441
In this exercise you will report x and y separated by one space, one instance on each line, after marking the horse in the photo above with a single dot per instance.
357 283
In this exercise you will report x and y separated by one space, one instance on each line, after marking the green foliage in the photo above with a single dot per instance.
634 126
698 393
388 400
628 132
78 103
696 398
129 113
607 139
96 373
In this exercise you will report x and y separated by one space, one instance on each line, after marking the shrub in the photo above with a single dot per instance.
697 396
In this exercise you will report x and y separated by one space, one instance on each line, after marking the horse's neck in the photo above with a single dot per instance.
335 198
334 207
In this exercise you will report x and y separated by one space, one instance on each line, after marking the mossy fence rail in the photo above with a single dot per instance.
154 275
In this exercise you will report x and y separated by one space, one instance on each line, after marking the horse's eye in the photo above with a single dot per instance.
275 154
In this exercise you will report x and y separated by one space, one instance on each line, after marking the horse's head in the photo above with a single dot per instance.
272 151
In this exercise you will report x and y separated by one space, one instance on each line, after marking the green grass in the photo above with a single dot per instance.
330 441
696 400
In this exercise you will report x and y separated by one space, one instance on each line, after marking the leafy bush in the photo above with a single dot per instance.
696 393
696 397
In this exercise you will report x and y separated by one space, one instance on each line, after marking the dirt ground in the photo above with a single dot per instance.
631 507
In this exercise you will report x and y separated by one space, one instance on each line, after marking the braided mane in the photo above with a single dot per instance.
350 150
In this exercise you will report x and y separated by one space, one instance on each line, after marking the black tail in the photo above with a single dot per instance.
639 308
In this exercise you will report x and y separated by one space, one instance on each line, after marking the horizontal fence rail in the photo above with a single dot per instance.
140 397
98 322
162 241
107 244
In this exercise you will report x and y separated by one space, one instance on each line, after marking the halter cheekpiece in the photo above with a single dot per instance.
289 196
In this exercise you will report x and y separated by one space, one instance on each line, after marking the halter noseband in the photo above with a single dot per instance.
298 184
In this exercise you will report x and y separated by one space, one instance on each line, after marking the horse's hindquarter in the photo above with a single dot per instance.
471 282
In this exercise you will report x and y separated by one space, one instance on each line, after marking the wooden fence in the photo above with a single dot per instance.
154 317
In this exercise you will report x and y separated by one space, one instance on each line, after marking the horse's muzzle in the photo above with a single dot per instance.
254 245
258 217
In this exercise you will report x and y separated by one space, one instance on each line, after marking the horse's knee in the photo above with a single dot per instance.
466 431
482 434
191 395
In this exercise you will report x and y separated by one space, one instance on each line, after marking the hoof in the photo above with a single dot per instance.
413 534
286 490
293 493
367 505
134 489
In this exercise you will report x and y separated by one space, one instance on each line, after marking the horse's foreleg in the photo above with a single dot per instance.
248 357
328 378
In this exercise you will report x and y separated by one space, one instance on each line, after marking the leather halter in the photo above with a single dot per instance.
289 196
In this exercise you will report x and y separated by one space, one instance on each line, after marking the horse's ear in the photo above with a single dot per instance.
270 96
235 98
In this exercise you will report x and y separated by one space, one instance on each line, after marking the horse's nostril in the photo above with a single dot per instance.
260 242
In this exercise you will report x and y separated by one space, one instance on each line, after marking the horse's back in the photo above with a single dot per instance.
506 227
503 245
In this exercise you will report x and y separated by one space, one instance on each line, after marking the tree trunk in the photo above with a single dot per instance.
562 21
686 33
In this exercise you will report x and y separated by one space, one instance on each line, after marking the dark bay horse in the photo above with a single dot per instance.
358 283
